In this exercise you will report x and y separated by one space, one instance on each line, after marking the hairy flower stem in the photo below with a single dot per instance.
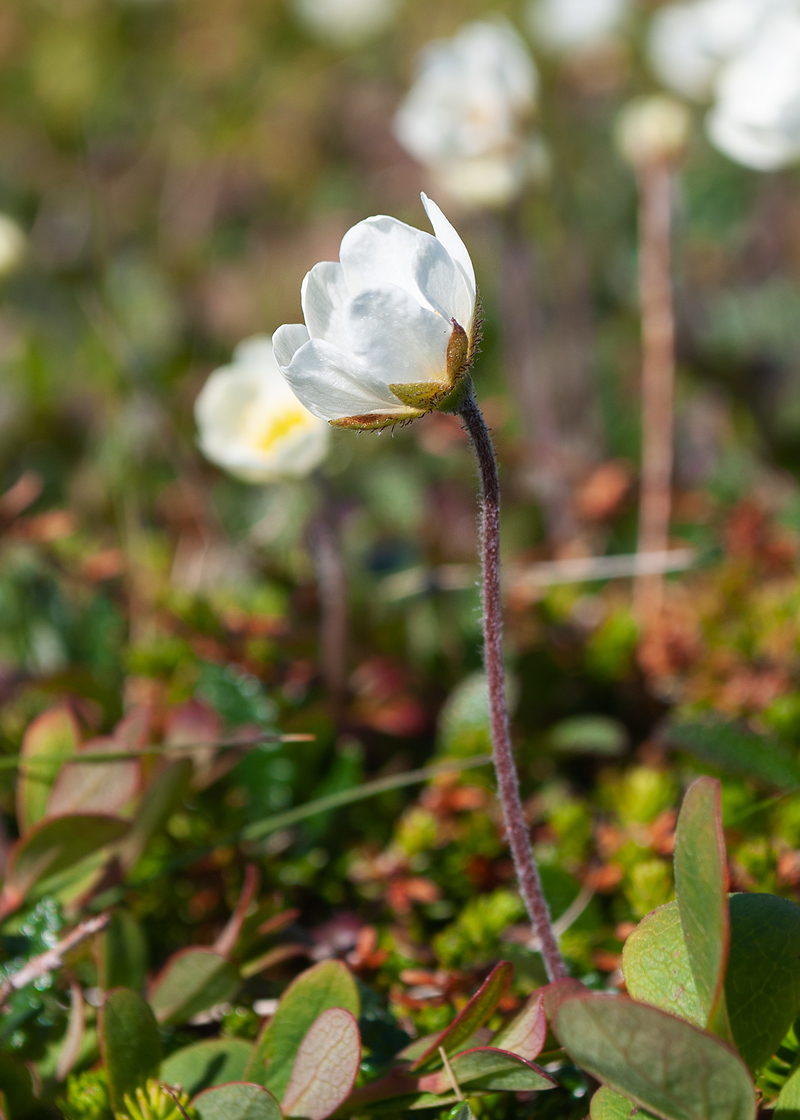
530 883
658 377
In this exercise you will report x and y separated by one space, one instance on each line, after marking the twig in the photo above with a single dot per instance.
658 375
528 878
547 573
451 1075
52 959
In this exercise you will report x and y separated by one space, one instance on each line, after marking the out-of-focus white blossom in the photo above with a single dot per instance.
13 245
251 423
345 23
567 25
689 42
389 330
467 115
756 118
653 129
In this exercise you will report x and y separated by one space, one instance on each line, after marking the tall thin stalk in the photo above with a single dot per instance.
530 883
658 375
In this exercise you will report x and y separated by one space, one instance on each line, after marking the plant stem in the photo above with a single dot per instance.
658 376
530 883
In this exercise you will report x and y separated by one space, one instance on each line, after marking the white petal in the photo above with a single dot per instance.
332 386
761 149
395 338
381 251
255 351
323 293
446 233
287 340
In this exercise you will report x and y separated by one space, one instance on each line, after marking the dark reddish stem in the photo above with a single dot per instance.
530 883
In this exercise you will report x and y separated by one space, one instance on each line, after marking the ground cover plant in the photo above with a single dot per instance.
347 774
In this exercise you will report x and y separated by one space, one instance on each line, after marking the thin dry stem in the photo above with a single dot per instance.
530 884
53 958
658 378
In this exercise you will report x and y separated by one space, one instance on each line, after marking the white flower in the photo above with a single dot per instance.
345 23
471 101
251 423
756 120
389 331
566 25
13 244
689 42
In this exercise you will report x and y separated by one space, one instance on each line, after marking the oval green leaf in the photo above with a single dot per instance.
206 1064
762 987
608 1105
663 1064
122 953
701 884
325 1068
94 787
52 737
52 846
486 1067
474 1015
191 981
656 966
239 1100
325 985
129 1042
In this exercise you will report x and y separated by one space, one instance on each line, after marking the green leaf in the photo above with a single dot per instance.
762 987
701 884
526 1032
129 1042
55 735
474 1015
608 1105
670 1067
788 1103
206 1064
461 1111
326 985
656 967
325 1068
240 1100
16 1086
485 1067
738 750
89 787
589 735
52 846
122 957
191 981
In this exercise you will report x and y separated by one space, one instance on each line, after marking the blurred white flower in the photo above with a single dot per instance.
653 129
756 118
689 42
251 423
13 245
345 23
389 330
466 116
566 25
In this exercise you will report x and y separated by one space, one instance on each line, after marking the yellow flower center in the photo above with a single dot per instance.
279 426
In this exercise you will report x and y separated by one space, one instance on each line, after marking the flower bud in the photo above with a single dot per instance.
653 130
